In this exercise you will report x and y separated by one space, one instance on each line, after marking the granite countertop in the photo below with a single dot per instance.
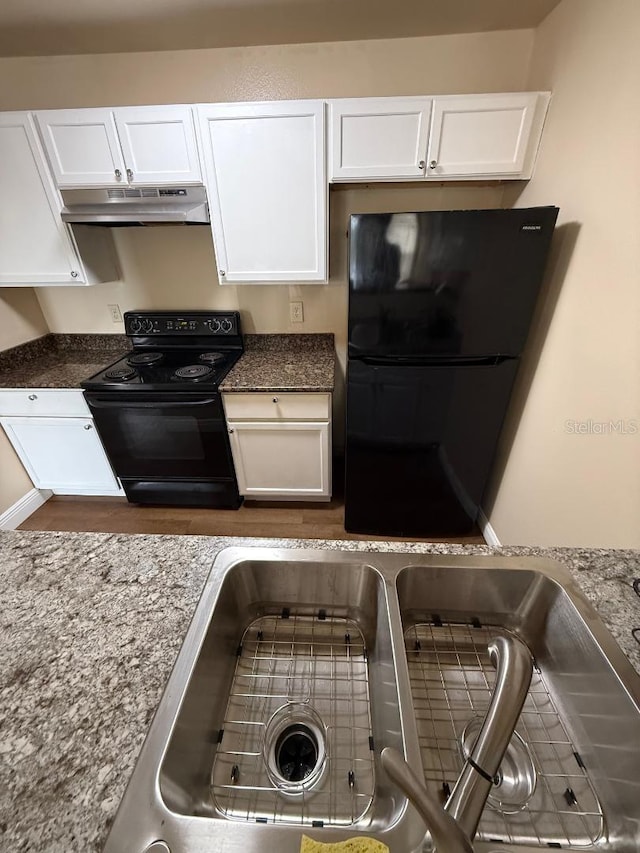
92 624
59 361
284 363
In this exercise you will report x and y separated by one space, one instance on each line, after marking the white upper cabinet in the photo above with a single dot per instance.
123 146
440 138
266 183
485 135
36 247
83 147
378 138
159 144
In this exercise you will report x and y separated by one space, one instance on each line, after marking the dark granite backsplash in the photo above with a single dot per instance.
289 343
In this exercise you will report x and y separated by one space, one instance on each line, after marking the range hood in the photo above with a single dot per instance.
121 206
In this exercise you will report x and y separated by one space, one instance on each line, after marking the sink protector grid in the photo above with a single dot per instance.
451 683
293 660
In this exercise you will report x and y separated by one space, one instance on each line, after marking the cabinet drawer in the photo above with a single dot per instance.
277 406
38 401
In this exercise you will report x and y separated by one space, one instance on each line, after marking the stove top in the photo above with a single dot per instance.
190 351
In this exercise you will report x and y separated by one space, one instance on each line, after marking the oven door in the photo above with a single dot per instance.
152 436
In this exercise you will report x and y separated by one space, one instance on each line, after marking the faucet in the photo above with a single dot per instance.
453 827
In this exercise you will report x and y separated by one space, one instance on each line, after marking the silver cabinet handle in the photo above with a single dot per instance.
130 174
33 396
222 273
275 399
74 274
230 430
421 165
118 174
88 426
433 164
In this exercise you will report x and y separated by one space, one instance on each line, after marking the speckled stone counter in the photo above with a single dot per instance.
59 361
92 624
284 363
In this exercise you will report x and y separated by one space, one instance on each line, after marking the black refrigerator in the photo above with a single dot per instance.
440 305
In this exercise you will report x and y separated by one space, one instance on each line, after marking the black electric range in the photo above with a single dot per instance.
158 409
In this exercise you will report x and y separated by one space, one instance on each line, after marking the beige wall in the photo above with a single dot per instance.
482 62
560 488
20 320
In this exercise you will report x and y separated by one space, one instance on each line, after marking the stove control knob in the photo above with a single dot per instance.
135 326
147 326
226 325
214 325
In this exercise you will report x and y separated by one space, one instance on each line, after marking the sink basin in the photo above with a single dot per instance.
300 666
572 774
286 639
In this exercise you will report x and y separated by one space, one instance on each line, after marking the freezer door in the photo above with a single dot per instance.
419 446
452 283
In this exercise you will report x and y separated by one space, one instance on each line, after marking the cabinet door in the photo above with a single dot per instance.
62 454
35 244
384 138
265 175
281 460
480 134
83 147
159 145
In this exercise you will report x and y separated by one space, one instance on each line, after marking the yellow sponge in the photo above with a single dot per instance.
351 845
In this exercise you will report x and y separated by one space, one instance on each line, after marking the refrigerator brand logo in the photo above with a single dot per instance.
531 228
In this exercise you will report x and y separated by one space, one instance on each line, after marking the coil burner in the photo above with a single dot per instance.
212 358
121 374
194 372
145 359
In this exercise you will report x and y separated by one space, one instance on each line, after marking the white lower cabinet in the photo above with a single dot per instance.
275 457
63 454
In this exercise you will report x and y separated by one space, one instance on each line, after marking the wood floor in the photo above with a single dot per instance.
279 520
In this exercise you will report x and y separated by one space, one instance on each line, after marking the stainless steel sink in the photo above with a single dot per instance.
300 666
571 778
285 637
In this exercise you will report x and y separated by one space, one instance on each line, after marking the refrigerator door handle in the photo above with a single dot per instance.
433 361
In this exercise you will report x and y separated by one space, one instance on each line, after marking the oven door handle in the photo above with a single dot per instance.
121 404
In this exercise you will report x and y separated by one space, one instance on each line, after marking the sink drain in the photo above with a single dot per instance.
516 778
295 748
296 753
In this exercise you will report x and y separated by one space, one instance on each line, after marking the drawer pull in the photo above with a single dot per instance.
275 399
33 396
88 426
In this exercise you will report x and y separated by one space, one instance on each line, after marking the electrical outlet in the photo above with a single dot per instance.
295 312
116 314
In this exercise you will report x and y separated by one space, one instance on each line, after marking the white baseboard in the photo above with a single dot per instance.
491 537
23 508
